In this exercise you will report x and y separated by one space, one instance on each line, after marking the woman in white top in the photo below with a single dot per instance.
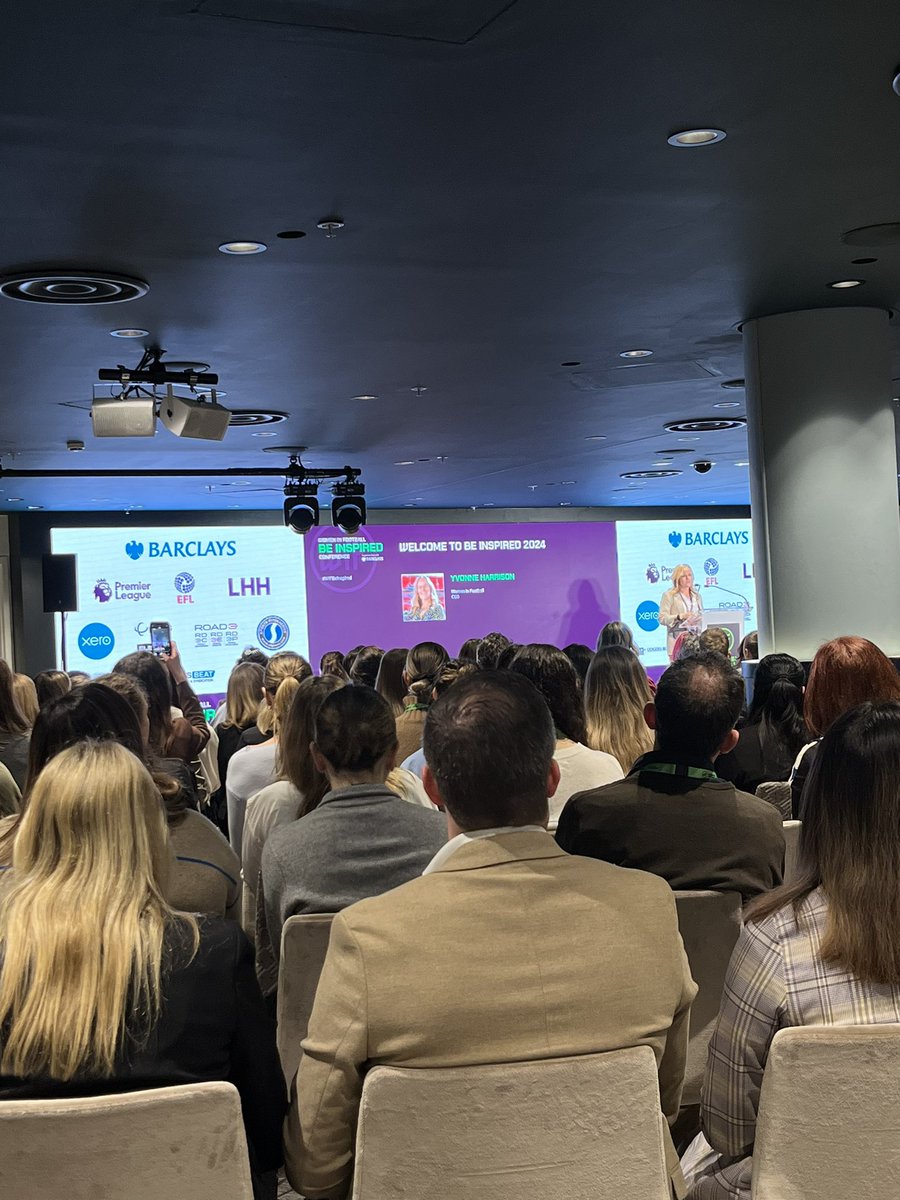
681 609
580 768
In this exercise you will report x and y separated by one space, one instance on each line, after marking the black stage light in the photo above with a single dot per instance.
348 508
301 506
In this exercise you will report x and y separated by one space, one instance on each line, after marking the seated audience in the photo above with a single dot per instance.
50 685
773 731
350 659
332 663
748 650
242 700
616 633
845 672
452 670
14 729
487 654
579 766
389 682
616 692
362 839
580 657
672 815
685 646
119 991
365 666
248 655
821 951
27 697
10 794
286 664
423 665
132 690
715 640
506 950
507 655
468 651
172 737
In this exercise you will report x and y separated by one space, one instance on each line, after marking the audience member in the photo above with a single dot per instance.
26 697
580 657
76 678
821 951
242 701
50 685
132 690
452 670
566 939
507 655
748 650
389 682
686 645
845 672
773 731
332 663
423 665
120 991
174 737
715 640
672 815
10 795
14 729
362 839
616 693
350 659
616 633
487 655
365 666
284 665
468 651
579 767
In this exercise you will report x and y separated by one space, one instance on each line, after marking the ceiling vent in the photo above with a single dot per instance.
247 418
705 425
72 287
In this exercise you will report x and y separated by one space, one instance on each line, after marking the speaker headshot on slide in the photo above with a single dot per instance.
423 597
681 609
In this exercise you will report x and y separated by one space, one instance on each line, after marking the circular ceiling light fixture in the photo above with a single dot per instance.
727 404
129 333
635 353
365 396
733 384
688 139
72 287
596 437
846 283
243 247
705 425
245 418
887 234
330 226
405 462
668 473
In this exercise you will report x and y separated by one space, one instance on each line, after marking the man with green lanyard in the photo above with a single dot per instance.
672 815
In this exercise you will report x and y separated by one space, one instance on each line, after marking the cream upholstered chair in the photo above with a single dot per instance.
791 849
777 794
829 1115
709 923
585 1128
304 942
178 1143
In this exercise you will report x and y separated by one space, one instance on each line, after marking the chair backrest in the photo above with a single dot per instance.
829 1114
163 1144
304 942
791 849
556 1128
777 794
709 923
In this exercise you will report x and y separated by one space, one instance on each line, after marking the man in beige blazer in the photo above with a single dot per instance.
506 949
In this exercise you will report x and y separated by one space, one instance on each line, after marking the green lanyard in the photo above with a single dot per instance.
664 768
416 708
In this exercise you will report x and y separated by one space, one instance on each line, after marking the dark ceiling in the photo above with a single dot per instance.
510 205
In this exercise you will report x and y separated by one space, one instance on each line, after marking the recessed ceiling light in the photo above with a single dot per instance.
727 404
596 437
405 462
565 504
732 383
689 138
667 473
635 353
34 507
232 506
129 333
263 434
364 397
663 462
847 283
409 506
568 482
742 464
689 439
243 247
15 499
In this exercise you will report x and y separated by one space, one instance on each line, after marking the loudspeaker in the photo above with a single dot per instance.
191 418
60 583
115 417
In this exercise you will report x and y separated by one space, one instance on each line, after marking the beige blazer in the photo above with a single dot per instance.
512 950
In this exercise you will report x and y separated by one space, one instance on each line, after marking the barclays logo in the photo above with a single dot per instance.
134 549
674 540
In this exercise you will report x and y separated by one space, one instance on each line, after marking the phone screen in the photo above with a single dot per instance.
160 637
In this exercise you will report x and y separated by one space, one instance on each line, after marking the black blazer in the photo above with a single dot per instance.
213 1026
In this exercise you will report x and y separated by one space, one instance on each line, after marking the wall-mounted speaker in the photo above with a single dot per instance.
60 583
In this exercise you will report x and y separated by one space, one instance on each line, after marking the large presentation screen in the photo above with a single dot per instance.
220 588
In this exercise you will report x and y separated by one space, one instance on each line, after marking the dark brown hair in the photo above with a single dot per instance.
298 730
390 679
355 729
12 719
845 672
50 685
557 680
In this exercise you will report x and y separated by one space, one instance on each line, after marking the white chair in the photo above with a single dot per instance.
791 849
304 943
829 1115
585 1128
709 923
178 1143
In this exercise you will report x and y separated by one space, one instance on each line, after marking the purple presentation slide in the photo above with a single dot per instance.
396 585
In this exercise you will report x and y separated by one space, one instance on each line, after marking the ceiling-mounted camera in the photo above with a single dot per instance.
703 466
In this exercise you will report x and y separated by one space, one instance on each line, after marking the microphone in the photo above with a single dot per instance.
729 592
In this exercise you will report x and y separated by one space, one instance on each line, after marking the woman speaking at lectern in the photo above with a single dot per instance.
681 609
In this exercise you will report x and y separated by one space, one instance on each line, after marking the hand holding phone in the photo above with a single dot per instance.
160 638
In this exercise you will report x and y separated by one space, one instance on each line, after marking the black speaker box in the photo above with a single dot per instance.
60 587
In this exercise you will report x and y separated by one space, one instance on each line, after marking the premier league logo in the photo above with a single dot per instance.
272 633
674 540
102 591
653 573
134 549
184 583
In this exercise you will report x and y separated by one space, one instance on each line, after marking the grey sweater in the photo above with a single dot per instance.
360 841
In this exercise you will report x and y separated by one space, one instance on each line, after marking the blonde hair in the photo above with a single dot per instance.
84 923
677 572
286 665
26 697
616 691
242 701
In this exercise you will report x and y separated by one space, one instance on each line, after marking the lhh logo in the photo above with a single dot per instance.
249 587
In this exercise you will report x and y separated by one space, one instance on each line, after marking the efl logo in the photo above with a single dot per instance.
184 585
96 640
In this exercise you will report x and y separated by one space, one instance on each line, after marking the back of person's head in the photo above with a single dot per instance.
78 677
748 650
26 697
616 633
687 645
389 682
50 685
504 659
93 711
698 701
245 687
131 690
365 666
286 664
489 743
849 843
715 639
350 659
468 651
355 731
156 682
845 672
778 700
295 762
580 657
332 663
12 719
451 672
423 665
556 679
251 654
616 692
83 924
491 646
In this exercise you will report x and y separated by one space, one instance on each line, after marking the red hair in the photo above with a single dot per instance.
845 672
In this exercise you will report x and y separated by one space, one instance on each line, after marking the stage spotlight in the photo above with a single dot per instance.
348 508
301 506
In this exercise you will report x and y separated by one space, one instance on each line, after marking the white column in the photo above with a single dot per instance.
823 478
